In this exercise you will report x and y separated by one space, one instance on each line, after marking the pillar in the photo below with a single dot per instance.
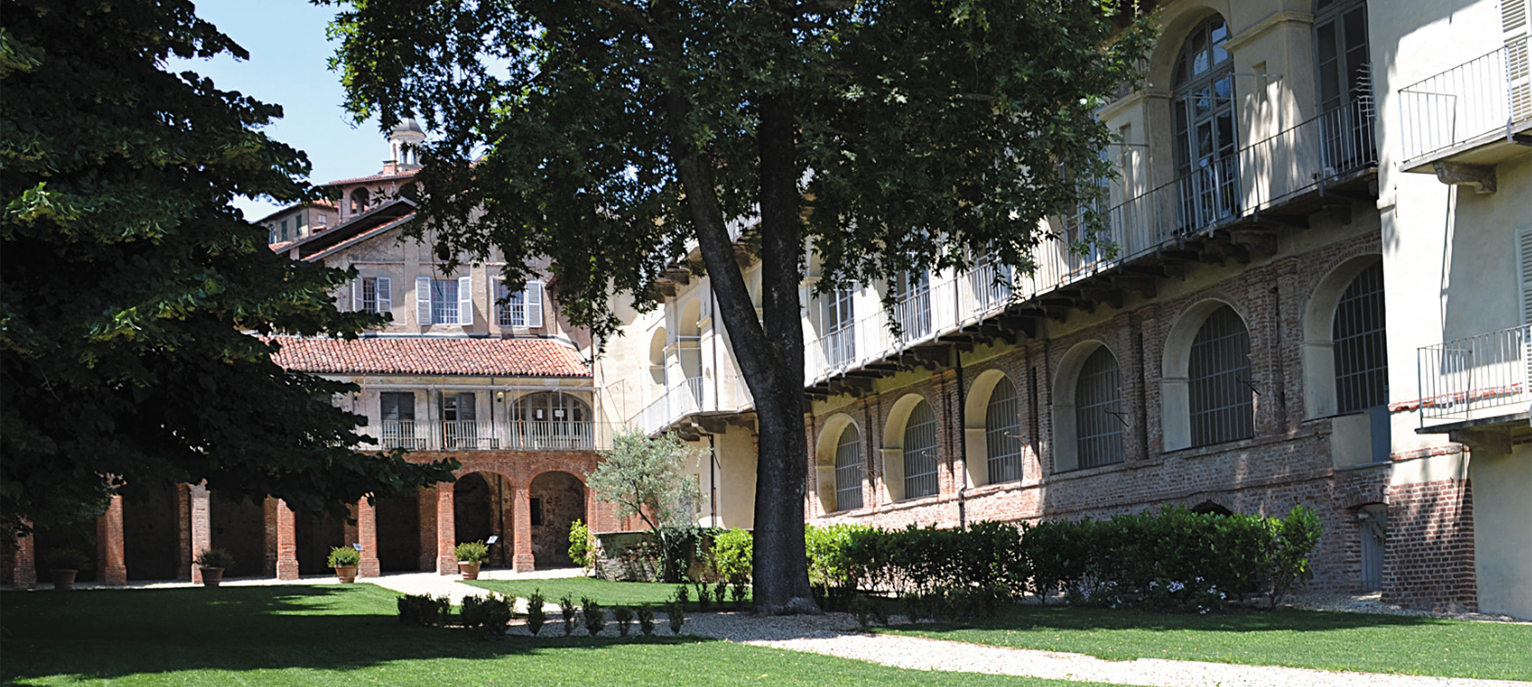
201 524
367 536
287 541
523 561
24 574
183 532
425 502
109 545
446 530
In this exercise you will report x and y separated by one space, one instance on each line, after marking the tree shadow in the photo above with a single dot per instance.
1234 621
111 634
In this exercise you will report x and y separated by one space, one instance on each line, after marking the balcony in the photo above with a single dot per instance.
694 397
1227 209
1477 113
1478 378
517 435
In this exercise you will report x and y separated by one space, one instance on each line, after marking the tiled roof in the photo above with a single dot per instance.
432 356
402 174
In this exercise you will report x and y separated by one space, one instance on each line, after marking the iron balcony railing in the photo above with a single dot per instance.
1486 96
1336 146
1476 377
694 396
469 435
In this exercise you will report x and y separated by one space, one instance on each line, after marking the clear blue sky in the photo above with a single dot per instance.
287 66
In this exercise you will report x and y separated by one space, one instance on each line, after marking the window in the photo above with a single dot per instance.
1002 433
1098 411
920 476
537 511
1345 82
397 412
848 469
548 419
519 308
373 294
1361 347
359 201
1206 166
912 304
444 301
839 327
1219 388
991 281
284 230
459 416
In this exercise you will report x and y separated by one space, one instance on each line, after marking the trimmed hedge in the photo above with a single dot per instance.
1172 559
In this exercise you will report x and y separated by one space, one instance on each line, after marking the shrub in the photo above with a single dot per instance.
675 614
215 558
1294 538
720 588
567 613
66 558
490 614
581 544
861 607
646 620
424 611
594 615
733 552
471 552
739 591
683 594
536 614
704 596
343 556
623 616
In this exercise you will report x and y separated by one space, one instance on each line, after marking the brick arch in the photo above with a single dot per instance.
556 499
1175 408
894 424
824 458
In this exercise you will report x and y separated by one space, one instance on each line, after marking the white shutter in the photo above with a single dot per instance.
422 300
1516 23
1524 242
385 295
534 304
465 301
356 290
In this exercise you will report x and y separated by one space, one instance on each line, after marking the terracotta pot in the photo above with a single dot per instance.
63 579
211 576
470 571
346 573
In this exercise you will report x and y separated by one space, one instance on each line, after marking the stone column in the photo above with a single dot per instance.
446 530
24 572
110 553
367 536
523 561
201 525
287 542
183 532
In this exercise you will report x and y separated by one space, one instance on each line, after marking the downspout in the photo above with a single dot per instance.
962 421
712 479
713 318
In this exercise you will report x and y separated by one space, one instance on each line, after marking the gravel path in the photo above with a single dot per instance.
835 634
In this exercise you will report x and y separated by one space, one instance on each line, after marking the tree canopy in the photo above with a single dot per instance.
133 291
611 136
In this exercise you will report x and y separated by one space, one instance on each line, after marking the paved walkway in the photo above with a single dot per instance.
835 634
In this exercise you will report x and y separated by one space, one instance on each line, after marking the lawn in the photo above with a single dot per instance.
601 591
324 635
1305 639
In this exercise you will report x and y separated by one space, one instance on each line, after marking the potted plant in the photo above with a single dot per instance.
65 563
471 555
213 562
345 559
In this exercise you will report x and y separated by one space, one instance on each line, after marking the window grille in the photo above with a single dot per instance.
848 470
444 301
1002 433
1361 346
920 453
511 306
1098 408
1219 386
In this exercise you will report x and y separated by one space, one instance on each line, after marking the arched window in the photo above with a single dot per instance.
1098 411
548 419
1219 389
549 406
1344 76
920 478
848 469
360 198
1206 166
1002 433
1361 347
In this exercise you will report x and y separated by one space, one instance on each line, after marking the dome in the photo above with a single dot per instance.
409 124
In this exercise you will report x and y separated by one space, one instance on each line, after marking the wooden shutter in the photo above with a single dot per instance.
465 301
466 407
1516 23
385 295
1524 242
533 302
422 300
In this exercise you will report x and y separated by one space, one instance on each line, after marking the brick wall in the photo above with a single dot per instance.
1430 561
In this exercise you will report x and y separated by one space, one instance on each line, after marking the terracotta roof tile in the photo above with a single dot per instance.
432 356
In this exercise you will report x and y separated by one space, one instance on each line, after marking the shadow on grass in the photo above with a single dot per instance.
1239 620
114 634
